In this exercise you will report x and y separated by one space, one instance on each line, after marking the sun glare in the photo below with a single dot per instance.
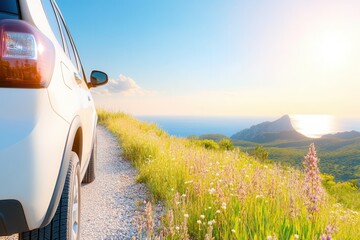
332 50
313 126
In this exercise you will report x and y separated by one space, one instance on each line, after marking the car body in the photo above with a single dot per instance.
47 115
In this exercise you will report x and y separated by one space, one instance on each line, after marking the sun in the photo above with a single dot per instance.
332 50
313 126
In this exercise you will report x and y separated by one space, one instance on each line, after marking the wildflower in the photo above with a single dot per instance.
233 230
210 223
212 190
217 211
184 195
329 230
217 174
177 198
313 189
265 166
269 237
208 235
170 216
198 221
149 219
177 228
259 196
209 207
296 236
223 206
186 215
202 216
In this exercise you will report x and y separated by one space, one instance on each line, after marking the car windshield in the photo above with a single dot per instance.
9 9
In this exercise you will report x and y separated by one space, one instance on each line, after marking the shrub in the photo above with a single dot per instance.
226 144
209 144
260 153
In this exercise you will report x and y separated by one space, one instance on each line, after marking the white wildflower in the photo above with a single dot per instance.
212 190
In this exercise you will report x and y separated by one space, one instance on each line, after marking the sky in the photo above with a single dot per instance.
221 58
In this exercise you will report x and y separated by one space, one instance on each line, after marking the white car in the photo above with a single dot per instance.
47 123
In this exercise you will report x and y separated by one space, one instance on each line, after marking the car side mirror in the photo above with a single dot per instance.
98 78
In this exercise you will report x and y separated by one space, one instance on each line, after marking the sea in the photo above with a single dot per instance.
184 126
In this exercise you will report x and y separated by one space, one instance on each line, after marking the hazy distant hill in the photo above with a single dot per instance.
278 130
339 153
343 135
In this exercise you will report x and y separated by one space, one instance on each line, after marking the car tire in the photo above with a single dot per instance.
91 169
66 221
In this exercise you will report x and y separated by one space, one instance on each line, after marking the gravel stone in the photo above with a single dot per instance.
111 204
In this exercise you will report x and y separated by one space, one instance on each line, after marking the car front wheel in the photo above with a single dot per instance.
66 221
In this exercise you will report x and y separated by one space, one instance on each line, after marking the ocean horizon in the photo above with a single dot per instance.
184 126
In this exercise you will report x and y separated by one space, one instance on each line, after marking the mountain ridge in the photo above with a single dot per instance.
280 129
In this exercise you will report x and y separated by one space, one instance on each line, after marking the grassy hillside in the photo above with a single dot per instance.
212 193
340 158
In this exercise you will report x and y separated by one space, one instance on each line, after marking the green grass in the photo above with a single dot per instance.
223 194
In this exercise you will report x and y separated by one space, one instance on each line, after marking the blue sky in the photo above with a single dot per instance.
209 57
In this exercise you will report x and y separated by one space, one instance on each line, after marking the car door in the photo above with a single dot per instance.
86 110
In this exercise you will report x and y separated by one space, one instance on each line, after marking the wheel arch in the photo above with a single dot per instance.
77 145
73 143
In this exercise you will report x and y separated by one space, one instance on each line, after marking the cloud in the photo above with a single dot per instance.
123 85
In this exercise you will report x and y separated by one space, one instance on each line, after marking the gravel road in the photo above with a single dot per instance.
111 204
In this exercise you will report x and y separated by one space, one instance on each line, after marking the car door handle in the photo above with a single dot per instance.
77 78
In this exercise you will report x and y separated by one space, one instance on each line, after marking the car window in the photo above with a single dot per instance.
52 19
69 46
72 51
80 68
9 9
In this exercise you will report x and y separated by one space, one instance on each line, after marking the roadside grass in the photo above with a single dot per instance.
214 193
